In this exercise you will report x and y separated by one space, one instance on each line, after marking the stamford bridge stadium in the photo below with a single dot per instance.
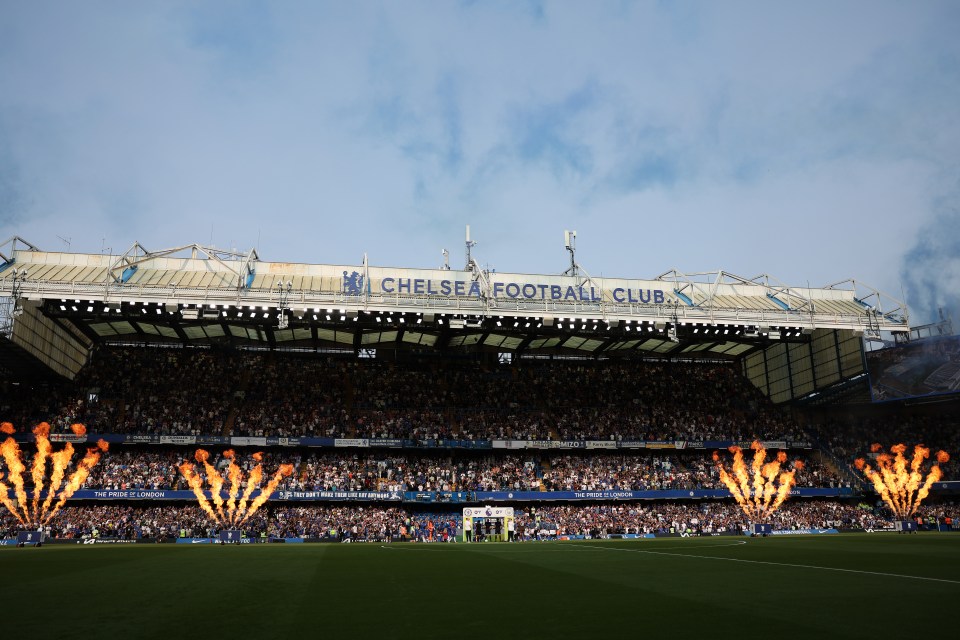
403 397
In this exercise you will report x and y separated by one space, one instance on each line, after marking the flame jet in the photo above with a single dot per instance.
901 487
39 470
7 502
214 479
236 512
234 473
770 485
12 456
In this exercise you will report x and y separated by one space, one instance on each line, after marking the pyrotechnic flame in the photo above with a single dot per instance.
79 476
237 512
771 486
234 473
39 470
284 471
196 485
256 475
876 447
901 489
78 429
11 455
7 428
61 460
214 479
7 502
31 512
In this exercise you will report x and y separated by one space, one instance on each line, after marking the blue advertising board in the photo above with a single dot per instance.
29 537
444 496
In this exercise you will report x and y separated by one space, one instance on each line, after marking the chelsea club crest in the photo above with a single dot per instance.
353 283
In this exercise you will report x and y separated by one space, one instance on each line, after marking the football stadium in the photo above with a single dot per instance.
206 440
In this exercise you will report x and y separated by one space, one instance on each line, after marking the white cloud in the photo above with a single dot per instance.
665 135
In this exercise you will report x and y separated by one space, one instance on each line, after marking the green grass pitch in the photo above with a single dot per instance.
846 586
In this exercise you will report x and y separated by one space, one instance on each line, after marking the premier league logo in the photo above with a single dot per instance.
353 283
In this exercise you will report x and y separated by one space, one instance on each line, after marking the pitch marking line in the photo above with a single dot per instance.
546 545
433 548
777 564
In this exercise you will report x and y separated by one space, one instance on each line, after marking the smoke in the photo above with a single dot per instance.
931 269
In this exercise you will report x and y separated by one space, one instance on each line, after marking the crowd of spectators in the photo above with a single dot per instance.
852 437
660 471
183 391
313 521
378 523
705 517
157 468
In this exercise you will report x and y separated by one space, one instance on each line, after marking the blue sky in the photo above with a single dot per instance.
813 141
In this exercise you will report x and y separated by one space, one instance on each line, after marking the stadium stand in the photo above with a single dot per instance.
136 390
399 399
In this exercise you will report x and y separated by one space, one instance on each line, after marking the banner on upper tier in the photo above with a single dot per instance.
949 485
386 442
351 442
63 437
407 443
600 444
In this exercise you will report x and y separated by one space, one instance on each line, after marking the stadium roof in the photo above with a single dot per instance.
195 294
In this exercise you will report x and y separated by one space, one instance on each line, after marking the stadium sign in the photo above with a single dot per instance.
353 285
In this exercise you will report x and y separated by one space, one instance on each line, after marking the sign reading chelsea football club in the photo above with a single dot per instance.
355 284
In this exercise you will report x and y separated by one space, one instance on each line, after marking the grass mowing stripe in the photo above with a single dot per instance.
549 590
777 564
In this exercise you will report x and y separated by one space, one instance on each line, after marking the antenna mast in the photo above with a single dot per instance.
570 244
471 265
